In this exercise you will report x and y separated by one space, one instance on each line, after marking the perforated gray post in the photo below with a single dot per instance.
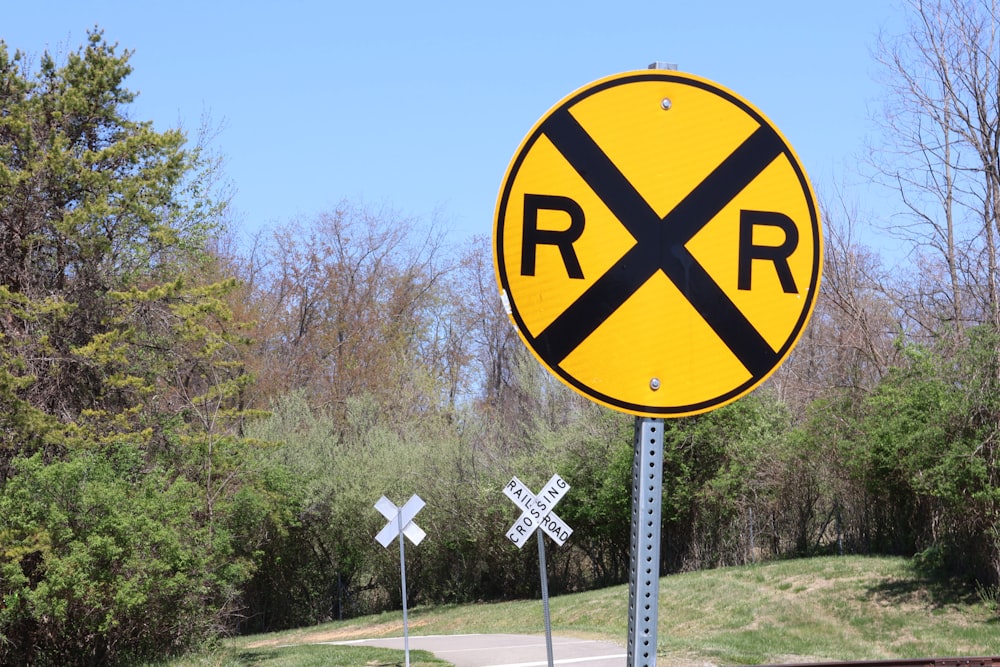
644 574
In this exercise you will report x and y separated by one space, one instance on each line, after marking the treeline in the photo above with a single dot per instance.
194 428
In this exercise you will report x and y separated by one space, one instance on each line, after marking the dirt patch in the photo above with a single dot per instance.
343 634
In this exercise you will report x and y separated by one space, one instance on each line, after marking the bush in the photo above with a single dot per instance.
102 562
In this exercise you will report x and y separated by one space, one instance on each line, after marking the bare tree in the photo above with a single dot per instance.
494 338
848 344
352 302
942 144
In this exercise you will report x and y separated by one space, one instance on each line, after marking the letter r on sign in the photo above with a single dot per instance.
778 254
534 237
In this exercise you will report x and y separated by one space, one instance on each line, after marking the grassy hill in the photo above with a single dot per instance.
809 610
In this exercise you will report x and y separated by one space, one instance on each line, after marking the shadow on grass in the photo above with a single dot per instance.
929 588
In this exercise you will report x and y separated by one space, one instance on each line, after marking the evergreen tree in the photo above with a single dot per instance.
125 518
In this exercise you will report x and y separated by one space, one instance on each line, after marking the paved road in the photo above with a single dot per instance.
508 650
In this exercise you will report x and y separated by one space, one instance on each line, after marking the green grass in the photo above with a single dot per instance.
809 610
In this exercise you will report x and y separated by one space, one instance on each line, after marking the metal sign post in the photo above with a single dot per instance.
644 574
400 524
543 578
537 513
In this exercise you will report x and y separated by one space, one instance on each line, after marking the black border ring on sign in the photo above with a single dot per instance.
659 245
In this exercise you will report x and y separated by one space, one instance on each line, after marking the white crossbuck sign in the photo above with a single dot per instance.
537 511
400 518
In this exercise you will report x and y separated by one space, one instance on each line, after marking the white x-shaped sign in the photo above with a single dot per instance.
400 518
537 510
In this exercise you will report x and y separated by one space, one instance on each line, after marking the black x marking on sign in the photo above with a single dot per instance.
660 244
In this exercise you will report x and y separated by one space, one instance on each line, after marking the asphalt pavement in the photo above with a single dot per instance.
507 650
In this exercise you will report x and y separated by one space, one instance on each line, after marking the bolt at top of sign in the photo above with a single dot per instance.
537 511
400 518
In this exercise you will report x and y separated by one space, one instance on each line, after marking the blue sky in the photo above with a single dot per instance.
419 107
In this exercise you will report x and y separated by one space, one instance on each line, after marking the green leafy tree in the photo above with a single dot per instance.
931 459
594 454
719 483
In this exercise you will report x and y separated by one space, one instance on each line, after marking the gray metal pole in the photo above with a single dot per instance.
545 595
647 500
644 573
402 577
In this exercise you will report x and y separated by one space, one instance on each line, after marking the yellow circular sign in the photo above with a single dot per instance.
658 244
